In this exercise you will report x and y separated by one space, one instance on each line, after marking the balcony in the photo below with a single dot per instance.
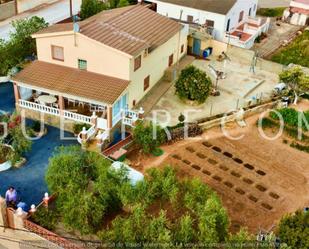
246 33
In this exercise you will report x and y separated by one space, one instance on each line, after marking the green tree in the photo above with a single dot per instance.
21 44
193 84
148 136
294 230
296 80
91 7
86 186
167 211
185 231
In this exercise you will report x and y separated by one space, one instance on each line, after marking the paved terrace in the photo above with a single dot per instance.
239 87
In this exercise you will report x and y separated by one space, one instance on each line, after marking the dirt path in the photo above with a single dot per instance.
258 180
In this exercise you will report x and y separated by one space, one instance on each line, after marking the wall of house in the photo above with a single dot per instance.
218 47
241 5
200 17
100 58
155 65
300 4
7 10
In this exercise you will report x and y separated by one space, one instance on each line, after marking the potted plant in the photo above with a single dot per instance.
6 152
20 145
36 129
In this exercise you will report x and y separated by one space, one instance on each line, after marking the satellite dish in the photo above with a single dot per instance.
76 27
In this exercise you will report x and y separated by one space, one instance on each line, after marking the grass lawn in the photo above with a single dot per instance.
297 52
271 12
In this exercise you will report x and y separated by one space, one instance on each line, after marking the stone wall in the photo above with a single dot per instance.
233 117
7 10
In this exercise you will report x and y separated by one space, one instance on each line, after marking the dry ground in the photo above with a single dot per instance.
258 180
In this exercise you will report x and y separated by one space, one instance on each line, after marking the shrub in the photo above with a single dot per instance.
294 230
78 127
296 52
290 117
46 217
144 136
193 84
271 12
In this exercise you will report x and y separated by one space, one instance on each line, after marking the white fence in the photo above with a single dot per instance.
54 111
37 107
77 117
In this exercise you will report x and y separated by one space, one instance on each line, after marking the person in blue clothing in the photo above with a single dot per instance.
11 197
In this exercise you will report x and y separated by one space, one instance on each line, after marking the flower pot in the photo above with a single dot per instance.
4 163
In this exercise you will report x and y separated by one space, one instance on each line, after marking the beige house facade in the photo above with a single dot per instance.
97 70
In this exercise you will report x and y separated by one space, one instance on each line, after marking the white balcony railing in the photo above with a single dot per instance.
38 107
90 133
54 111
77 117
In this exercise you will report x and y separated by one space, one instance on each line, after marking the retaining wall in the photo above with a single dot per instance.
233 117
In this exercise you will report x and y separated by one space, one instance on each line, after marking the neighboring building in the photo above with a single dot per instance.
9 8
105 65
229 21
297 13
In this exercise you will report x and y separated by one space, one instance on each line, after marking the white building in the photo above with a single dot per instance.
297 13
230 21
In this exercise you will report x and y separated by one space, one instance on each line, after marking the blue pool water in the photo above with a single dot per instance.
7 99
29 180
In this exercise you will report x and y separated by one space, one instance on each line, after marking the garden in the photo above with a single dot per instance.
297 52
161 211
296 126
271 12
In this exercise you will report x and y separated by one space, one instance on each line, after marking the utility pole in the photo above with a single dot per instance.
71 10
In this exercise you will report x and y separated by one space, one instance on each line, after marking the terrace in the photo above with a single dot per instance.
245 34
70 108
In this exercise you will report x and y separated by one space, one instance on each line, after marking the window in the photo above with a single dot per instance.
250 11
241 16
146 82
254 7
210 23
137 62
182 48
57 53
170 60
82 64
189 18
228 25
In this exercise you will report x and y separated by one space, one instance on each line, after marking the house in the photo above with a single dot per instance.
229 21
297 13
97 70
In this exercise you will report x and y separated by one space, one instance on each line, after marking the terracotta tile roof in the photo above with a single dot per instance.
215 6
130 29
60 27
72 81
